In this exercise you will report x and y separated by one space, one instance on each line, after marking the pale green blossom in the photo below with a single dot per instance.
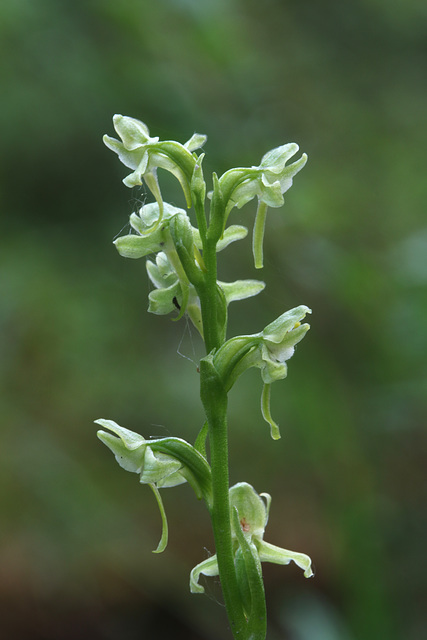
268 182
252 510
137 150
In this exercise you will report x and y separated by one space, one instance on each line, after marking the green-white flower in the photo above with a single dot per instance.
252 510
144 154
134 453
160 463
268 182
268 350
151 231
279 339
171 293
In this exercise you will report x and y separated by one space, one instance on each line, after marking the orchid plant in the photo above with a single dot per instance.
183 271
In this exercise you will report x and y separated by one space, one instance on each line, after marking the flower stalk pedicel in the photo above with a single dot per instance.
183 270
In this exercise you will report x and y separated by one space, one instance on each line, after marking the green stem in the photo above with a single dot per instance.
214 399
212 331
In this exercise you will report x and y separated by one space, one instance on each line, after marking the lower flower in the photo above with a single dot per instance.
252 510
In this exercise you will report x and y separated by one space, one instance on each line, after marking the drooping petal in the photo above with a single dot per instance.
231 234
208 567
165 531
266 413
258 234
277 555
288 174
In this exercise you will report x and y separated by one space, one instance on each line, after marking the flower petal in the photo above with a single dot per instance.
208 567
158 467
271 193
133 246
277 555
276 159
196 141
231 234
241 289
271 368
266 414
131 159
129 448
251 510
276 330
164 537
133 132
164 301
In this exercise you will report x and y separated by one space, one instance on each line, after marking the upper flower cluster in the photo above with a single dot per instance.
267 181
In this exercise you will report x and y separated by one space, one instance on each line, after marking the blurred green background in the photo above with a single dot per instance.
347 81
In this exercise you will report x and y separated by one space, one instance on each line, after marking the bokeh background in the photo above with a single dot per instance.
347 81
